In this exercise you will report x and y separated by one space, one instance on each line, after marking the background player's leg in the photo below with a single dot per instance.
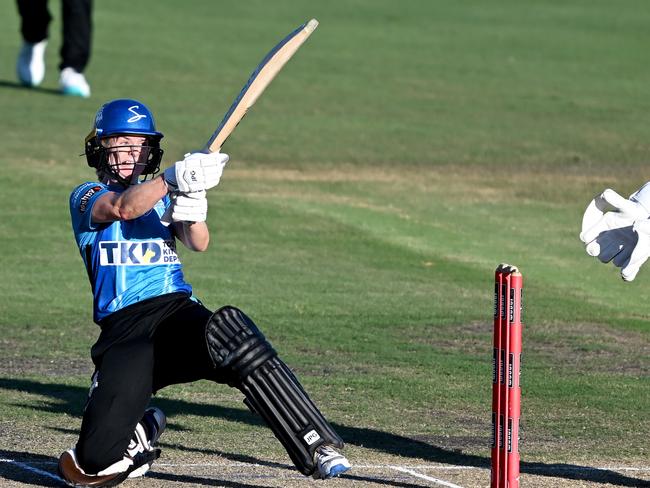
77 31
34 22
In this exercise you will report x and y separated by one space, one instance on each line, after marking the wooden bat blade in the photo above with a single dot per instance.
258 81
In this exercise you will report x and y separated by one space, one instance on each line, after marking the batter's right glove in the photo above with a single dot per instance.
617 229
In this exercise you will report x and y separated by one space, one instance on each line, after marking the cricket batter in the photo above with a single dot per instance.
154 332
617 229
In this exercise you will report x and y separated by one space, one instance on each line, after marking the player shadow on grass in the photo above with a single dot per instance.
68 399
37 89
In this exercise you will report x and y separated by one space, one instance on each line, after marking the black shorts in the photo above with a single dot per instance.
141 349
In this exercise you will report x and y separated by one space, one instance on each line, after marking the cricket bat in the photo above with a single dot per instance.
259 79
257 82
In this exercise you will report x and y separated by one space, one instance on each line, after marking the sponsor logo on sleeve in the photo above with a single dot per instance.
85 198
142 253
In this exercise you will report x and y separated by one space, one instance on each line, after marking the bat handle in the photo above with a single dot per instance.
166 218
211 148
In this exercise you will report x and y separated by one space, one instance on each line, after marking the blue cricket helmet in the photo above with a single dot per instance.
123 116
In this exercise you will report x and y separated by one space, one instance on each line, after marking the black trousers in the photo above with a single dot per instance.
77 28
141 349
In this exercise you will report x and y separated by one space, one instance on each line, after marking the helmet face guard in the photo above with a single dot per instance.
124 117
102 158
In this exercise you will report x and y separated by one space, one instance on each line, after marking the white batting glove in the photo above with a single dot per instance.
617 229
197 172
641 251
189 207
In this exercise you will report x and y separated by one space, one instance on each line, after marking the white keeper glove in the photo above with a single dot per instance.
197 172
189 207
617 229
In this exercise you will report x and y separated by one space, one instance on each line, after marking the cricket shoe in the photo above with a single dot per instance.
30 66
73 475
137 460
330 463
73 83
145 437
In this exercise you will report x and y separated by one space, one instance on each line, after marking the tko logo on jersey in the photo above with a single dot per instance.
144 253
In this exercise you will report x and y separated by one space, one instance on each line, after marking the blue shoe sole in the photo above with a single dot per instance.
337 470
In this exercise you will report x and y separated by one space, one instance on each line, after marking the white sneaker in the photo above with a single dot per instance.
330 463
146 435
30 66
73 83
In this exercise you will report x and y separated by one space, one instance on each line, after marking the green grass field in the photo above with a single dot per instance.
404 152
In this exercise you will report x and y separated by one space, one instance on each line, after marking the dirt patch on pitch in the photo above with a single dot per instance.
28 366
591 347
412 173
582 347
473 338
560 185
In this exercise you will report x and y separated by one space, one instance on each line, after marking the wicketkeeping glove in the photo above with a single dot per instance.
197 172
617 229
189 207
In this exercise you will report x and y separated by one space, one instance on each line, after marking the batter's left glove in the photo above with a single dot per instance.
189 207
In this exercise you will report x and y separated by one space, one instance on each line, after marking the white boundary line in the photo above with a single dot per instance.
551 468
410 470
288 466
445 467
436 467
29 468
32 469
425 477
